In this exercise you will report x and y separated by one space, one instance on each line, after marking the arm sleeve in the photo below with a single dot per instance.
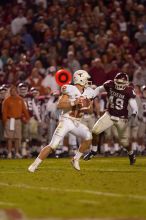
133 105
98 90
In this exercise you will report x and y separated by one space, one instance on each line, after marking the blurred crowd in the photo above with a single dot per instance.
38 37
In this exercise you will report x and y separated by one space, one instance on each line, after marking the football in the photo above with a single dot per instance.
84 103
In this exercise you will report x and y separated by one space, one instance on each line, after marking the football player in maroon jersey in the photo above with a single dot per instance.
120 94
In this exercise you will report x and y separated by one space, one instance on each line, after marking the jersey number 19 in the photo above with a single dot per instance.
116 103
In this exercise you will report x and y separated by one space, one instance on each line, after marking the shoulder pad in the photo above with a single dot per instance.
130 92
89 93
108 84
66 89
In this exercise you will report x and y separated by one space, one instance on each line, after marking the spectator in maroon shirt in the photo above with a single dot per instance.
24 64
2 77
113 70
97 72
11 71
35 80
131 64
127 46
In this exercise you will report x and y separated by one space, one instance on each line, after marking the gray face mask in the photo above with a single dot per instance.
120 86
85 83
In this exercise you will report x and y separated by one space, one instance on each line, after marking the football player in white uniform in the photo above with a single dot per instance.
74 101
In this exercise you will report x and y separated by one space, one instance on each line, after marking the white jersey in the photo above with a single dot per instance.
73 92
70 124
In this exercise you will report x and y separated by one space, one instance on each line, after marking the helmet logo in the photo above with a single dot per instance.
81 77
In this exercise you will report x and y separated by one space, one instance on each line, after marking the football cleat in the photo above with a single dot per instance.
89 155
132 159
32 168
18 156
9 155
75 164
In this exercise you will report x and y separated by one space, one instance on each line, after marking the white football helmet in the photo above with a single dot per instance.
81 77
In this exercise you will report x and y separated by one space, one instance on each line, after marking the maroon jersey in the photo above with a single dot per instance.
118 99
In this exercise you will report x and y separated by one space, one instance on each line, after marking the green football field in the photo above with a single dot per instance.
105 188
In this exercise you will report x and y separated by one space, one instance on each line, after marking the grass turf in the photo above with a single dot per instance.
105 187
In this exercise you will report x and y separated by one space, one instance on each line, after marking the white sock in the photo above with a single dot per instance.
78 155
94 148
65 148
37 161
116 146
106 147
139 148
134 146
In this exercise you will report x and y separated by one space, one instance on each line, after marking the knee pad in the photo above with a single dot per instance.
95 130
55 142
98 128
124 142
72 139
88 136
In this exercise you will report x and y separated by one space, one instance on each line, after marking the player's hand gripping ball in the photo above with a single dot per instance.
84 103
